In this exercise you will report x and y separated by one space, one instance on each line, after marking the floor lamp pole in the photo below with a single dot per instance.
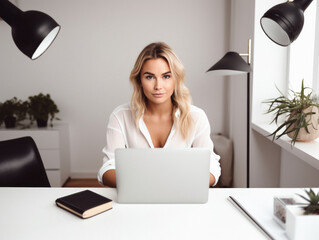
248 130
248 55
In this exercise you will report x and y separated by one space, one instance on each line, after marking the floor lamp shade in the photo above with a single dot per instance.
32 31
283 22
232 63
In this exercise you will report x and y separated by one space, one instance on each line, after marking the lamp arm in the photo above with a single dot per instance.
9 12
303 4
248 55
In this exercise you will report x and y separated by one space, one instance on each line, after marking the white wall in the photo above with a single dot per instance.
86 69
296 173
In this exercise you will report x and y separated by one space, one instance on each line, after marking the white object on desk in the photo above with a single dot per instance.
31 213
300 226
53 145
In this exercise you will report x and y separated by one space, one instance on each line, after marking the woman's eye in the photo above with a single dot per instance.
149 77
166 76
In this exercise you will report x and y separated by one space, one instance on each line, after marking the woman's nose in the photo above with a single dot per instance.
158 84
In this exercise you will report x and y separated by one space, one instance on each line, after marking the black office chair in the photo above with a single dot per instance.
21 164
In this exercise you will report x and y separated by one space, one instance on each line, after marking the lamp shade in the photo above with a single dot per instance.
283 22
231 64
32 31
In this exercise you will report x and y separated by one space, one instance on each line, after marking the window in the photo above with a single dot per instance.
303 54
316 51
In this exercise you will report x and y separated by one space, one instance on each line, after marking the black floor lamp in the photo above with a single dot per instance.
232 64
32 31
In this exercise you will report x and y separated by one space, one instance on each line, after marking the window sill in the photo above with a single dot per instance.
306 151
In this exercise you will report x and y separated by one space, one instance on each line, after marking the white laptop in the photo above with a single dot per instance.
162 175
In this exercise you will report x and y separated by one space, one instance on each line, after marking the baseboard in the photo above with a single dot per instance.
83 175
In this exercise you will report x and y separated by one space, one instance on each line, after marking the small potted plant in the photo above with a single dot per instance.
303 221
42 109
12 112
301 115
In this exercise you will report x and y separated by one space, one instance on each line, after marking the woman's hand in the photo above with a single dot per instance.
211 179
109 178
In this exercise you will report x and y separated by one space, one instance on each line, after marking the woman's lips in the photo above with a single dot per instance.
158 95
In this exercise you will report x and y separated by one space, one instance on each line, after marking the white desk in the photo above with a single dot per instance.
31 213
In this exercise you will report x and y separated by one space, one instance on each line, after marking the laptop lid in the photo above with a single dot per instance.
162 175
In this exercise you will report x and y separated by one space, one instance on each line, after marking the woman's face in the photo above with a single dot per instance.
157 81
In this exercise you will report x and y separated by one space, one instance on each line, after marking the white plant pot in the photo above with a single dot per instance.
303 135
300 226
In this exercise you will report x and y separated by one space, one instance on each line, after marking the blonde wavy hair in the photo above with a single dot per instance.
181 98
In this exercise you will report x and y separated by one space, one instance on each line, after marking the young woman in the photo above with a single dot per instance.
160 114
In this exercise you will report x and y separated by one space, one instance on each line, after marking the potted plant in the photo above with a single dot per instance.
12 112
301 114
42 108
302 221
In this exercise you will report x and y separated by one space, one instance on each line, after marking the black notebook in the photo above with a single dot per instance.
84 204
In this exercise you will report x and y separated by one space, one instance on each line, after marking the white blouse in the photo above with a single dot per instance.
121 132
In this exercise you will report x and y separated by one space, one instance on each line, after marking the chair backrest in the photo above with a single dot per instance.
21 164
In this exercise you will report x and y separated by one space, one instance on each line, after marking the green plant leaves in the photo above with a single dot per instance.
42 107
292 109
14 108
313 200
37 107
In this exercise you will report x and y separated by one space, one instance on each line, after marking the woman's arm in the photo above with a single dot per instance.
114 140
202 140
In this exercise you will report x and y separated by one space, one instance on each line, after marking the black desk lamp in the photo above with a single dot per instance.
32 31
283 22
231 64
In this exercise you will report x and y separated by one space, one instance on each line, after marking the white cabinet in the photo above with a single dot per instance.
53 145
